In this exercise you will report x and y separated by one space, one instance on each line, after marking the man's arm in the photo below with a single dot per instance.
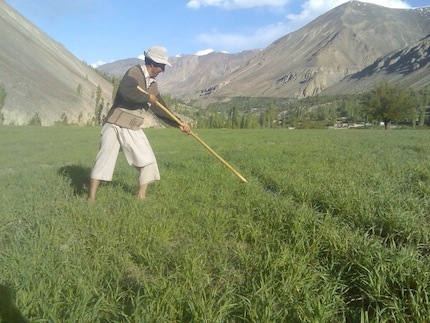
130 94
159 112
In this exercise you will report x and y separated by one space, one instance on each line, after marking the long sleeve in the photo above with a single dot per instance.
159 112
129 96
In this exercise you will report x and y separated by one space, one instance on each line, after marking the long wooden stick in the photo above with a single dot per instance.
197 138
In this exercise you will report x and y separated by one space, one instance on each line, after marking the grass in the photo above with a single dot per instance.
333 226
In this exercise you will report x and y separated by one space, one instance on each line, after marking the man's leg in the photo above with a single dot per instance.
94 185
142 191
105 160
147 175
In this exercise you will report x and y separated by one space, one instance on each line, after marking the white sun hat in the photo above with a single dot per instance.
158 54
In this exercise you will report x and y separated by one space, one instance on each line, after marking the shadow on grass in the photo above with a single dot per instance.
79 177
8 311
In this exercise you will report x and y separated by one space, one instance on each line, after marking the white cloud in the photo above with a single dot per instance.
317 5
204 52
236 4
259 38
97 64
311 9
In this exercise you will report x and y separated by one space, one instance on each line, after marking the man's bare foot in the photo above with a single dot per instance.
142 192
94 185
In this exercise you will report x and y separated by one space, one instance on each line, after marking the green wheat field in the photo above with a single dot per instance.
332 226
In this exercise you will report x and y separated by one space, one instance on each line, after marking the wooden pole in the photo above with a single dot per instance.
198 139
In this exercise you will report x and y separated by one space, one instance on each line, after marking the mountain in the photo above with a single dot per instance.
194 76
191 75
410 66
334 46
118 68
339 43
41 77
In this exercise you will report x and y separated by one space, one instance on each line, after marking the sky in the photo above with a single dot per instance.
109 30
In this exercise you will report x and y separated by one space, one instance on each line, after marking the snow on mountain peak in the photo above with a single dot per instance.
97 64
204 52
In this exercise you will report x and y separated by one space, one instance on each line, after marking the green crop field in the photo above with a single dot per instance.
332 226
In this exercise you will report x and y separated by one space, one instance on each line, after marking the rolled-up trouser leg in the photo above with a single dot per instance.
108 153
148 174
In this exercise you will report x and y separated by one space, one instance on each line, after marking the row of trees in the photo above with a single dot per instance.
386 103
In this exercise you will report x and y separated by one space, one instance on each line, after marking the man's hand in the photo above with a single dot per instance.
152 99
185 128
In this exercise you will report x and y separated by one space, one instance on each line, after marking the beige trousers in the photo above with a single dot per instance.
137 151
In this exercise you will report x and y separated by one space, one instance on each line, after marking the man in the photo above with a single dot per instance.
122 127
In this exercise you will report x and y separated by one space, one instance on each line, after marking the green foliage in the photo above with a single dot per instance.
80 117
64 120
113 79
333 226
99 106
388 102
423 109
271 113
35 120
79 90
98 95
402 106
115 88
3 96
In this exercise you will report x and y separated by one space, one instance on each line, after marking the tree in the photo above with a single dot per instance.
35 120
99 117
272 117
79 90
99 105
423 101
233 121
2 101
98 94
389 103
115 83
64 120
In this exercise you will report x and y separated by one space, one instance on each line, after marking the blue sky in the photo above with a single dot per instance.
110 30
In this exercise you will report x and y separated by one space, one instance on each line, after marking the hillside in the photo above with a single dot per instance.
42 77
410 66
190 75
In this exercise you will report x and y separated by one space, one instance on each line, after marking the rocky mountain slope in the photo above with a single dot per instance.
191 75
41 77
410 66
